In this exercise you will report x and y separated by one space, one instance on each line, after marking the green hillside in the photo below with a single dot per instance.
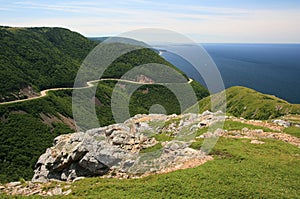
40 58
239 169
248 103
29 127
47 58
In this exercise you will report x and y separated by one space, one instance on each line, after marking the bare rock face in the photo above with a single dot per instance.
282 123
124 150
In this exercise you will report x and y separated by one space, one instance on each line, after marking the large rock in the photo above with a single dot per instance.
119 148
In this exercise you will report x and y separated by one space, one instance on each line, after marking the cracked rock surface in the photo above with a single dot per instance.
132 148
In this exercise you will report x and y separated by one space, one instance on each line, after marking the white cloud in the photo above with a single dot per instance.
204 24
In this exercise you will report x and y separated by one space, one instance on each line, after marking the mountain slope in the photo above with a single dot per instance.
47 58
39 58
248 103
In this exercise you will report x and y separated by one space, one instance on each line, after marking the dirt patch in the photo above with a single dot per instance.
190 163
68 121
266 124
144 79
28 92
257 134
96 101
50 119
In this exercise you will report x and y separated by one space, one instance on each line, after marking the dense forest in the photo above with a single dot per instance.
39 58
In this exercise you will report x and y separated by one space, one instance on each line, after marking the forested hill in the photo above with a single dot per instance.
33 59
49 58
39 58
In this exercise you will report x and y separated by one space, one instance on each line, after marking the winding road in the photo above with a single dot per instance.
43 93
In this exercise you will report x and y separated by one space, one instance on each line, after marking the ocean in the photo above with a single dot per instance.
268 68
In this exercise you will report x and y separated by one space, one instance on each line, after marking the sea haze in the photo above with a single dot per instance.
268 68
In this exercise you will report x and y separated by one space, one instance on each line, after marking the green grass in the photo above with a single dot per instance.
156 124
163 137
239 170
172 121
292 130
234 125
156 147
250 104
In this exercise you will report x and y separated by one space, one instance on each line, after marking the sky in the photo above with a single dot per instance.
204 21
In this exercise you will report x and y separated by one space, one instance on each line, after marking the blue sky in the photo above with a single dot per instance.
256 21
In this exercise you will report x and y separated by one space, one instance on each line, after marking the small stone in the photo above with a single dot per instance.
258 131
174 147
13 184
256 142
219 132
67 186
180 123
245 129
194 127
143 138
271 136
67 192
78 178
56 191
35 192
205 113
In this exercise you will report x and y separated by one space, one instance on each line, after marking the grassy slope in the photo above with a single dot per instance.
292 130
239 170
248 103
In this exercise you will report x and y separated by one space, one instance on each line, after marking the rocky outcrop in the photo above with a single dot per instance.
30 188
282 123
143 144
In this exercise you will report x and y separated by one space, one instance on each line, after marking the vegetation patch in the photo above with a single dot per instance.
156 147
234 125
240 170
292 130
248 103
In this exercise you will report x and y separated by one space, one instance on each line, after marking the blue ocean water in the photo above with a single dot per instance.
268 68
